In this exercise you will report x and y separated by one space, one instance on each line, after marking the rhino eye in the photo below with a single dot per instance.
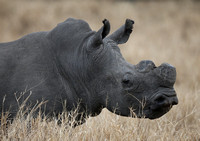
131 83
126 83
127 80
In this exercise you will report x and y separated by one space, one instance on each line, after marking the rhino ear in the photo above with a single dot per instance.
122 34
98 37
106 28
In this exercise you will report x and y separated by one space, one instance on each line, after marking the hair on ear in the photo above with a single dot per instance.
106 28
129 26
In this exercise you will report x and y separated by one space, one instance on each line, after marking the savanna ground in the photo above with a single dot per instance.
164 31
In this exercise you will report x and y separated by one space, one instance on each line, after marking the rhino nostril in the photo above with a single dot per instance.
164 100
126 83
175 101
160 99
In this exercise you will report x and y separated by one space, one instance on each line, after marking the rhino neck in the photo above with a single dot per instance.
79 93
70 66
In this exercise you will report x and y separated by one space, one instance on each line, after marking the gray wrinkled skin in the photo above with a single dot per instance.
72 63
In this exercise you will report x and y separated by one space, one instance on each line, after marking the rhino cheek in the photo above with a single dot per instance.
118 103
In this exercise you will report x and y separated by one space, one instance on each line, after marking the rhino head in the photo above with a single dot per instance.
97 73
145 89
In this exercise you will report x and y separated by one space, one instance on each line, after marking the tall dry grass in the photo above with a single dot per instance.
165 31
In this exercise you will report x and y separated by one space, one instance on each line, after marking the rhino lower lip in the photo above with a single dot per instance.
158 107
156 113
153 113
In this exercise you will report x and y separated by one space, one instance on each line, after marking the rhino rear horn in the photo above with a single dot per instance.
122 34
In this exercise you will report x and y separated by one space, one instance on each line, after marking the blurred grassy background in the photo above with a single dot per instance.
164 31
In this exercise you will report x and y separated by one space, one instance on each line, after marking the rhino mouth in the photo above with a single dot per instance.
157 109
158 112
153 113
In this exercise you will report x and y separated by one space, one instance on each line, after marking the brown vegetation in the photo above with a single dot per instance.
164 32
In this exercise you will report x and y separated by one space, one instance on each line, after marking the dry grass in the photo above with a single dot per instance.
164 32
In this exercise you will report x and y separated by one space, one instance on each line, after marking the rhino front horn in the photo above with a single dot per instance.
167 74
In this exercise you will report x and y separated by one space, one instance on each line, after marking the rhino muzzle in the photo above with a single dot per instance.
165 98
160 80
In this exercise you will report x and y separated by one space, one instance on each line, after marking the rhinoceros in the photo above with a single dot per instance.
75 65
